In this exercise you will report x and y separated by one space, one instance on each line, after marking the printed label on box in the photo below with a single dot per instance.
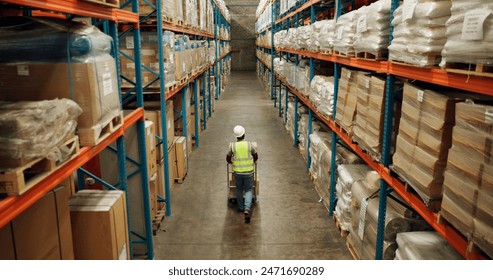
129 42
148 52
22 70
473 24
421 95
130 65
488 116
362 217
107 84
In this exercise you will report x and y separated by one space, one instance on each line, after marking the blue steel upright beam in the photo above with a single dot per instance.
162 94
197 116
295 121
333 162
386 146
204 99
286 105
184 103
273 52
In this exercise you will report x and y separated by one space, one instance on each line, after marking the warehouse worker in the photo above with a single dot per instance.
243 156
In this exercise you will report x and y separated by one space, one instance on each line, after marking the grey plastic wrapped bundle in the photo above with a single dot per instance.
419 32
364 231
348 175
50 40
303 39
373 28
36 129
344 33
424 245
469 33
316 28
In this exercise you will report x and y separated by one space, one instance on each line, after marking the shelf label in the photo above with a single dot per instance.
488 116
107 84
421 95
473 24
362 217
340 30
408 9
22 70
361 26
129 42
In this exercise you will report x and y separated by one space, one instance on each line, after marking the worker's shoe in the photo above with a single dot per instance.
247 216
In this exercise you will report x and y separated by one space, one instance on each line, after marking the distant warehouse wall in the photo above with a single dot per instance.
242 33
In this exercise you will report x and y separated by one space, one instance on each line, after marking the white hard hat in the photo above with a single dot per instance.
239 131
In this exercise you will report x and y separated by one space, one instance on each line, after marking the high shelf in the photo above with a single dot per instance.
306 12
153 19
109 17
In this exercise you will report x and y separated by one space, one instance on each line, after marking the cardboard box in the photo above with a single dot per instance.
153 114
41 232
7 243
92 85
161 176
172 169
99 225
181 157
150 147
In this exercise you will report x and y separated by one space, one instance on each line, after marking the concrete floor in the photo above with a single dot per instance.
287 223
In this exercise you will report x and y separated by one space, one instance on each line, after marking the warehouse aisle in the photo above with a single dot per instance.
288 222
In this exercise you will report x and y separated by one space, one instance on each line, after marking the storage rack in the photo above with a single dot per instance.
204 91
11 207
476 84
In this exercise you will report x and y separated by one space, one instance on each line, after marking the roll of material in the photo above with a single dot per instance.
50 40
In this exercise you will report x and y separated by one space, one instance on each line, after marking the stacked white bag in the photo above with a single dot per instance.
469 33
373 28
322 94
326 36
419 32
424 245
345 30
303 39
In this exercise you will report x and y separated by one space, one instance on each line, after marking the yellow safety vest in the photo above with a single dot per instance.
242 157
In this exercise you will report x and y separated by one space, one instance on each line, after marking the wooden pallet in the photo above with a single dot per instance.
344 233
433 205
346 55
180 22
168 19
351 247
16 181
478 69
170 87
93 136
181 180
157 221
381 55
327 52
431 57
111 3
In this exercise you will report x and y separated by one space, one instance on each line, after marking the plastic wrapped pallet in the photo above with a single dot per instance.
326 36
202 10
345 30
33 129
326 105
363 231
469 33
348 175
424 245
372 29
304 37
467 195
419 32
424 138
179 12
303 133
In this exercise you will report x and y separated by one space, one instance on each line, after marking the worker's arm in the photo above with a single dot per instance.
229 156
254 154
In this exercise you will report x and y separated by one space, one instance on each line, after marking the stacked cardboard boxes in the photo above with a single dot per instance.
467 189
347 98
423 140
41 232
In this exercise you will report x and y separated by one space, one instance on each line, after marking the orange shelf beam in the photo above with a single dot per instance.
12 206
454 238
81 8
182 29
299 9
472 83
